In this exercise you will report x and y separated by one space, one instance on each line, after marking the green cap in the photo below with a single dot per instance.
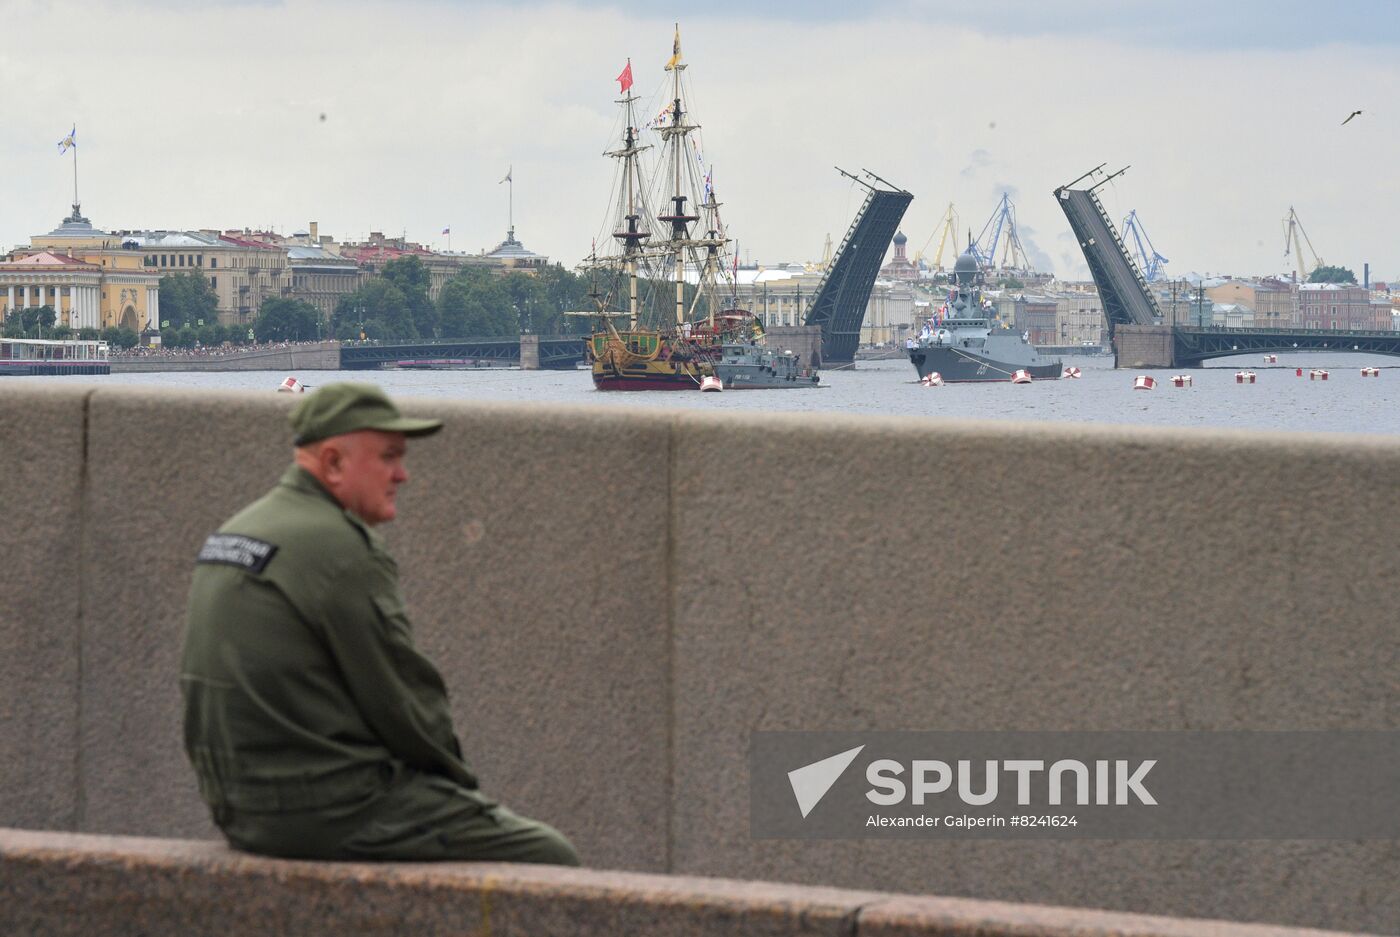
333 409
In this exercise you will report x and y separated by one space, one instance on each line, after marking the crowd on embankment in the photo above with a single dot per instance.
209 351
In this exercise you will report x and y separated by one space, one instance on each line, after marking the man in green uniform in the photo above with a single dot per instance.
314 726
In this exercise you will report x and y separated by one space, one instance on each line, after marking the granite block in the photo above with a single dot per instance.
41 611
873 575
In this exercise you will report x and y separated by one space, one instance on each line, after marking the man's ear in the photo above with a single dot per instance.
332 459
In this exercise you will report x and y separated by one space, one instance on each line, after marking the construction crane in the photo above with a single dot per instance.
1148 260
985 246
1294 237
949 225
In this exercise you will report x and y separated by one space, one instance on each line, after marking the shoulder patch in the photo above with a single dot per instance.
237 550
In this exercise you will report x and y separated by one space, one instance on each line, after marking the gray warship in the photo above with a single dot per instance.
968 345
747 363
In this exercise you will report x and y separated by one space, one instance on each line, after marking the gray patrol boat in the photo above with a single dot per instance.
747 363
968 345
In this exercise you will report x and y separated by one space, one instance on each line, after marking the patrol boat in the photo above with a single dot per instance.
751 365
964 344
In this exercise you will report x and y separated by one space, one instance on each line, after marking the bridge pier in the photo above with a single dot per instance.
529 352
1143 346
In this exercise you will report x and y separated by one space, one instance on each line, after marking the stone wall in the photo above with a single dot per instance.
1143 346
92 886
617 598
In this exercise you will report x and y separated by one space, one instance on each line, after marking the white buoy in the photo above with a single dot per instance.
1271 359
711 383
1244 377
1370 372
1317 374
1021 377
932 379
1072 372
1181 380
1143 382
291 386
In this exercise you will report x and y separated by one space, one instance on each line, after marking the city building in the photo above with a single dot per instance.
1079 317
241 271
91 278
899 267
1340 306
1273 304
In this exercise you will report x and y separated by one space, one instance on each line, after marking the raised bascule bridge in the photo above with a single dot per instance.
1141 338
844 292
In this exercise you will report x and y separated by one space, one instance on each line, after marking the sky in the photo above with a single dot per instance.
209 115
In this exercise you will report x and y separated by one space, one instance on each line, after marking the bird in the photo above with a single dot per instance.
1350 116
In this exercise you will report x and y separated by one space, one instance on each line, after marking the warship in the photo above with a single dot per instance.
963 342
719 341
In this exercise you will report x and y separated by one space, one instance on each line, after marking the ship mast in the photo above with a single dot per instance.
630 235
675 136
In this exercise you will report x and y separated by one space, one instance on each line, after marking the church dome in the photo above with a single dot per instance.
899 239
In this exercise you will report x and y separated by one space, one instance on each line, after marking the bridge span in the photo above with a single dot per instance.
560 352
1185 346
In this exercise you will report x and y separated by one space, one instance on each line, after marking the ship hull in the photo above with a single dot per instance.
646 375
958 367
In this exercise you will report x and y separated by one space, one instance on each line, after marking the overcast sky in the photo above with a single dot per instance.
197 115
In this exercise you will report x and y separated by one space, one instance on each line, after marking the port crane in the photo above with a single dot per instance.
948 226
1148 260
1294 237
985 246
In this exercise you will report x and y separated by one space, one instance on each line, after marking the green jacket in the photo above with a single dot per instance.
301 684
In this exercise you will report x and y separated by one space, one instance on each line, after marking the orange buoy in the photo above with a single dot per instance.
1317 374
291 385
1370 372
1021 377
1181 380
711 383
1143 382
1271 359
1072 372
1244 377
932 379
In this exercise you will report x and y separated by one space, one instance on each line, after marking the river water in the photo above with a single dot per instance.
1280 400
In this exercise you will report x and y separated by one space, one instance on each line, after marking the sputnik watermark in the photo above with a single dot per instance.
1235 785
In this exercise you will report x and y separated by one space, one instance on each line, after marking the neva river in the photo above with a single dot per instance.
1279 400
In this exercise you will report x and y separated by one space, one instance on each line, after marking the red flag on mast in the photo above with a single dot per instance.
625 79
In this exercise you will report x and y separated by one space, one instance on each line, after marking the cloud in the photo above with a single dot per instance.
428 101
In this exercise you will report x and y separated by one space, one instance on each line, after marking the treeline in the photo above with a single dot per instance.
475 302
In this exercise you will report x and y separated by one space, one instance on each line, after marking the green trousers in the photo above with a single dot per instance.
420 817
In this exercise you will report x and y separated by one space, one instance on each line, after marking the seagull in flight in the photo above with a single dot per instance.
1350 116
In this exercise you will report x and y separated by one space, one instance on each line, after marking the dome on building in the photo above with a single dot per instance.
900 239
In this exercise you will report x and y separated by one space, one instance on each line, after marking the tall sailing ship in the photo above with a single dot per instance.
656 342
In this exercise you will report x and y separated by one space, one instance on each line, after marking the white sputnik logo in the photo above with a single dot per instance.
811 782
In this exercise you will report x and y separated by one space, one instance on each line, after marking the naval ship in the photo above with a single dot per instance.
967 345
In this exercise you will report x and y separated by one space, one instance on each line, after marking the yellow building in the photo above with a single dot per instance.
88 276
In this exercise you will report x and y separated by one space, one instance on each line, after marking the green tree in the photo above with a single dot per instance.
31 322
477 303
380 308
120 337
286 320
413 281
1330 274
186 298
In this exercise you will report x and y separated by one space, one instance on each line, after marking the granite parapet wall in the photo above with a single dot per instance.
618 598
62 884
